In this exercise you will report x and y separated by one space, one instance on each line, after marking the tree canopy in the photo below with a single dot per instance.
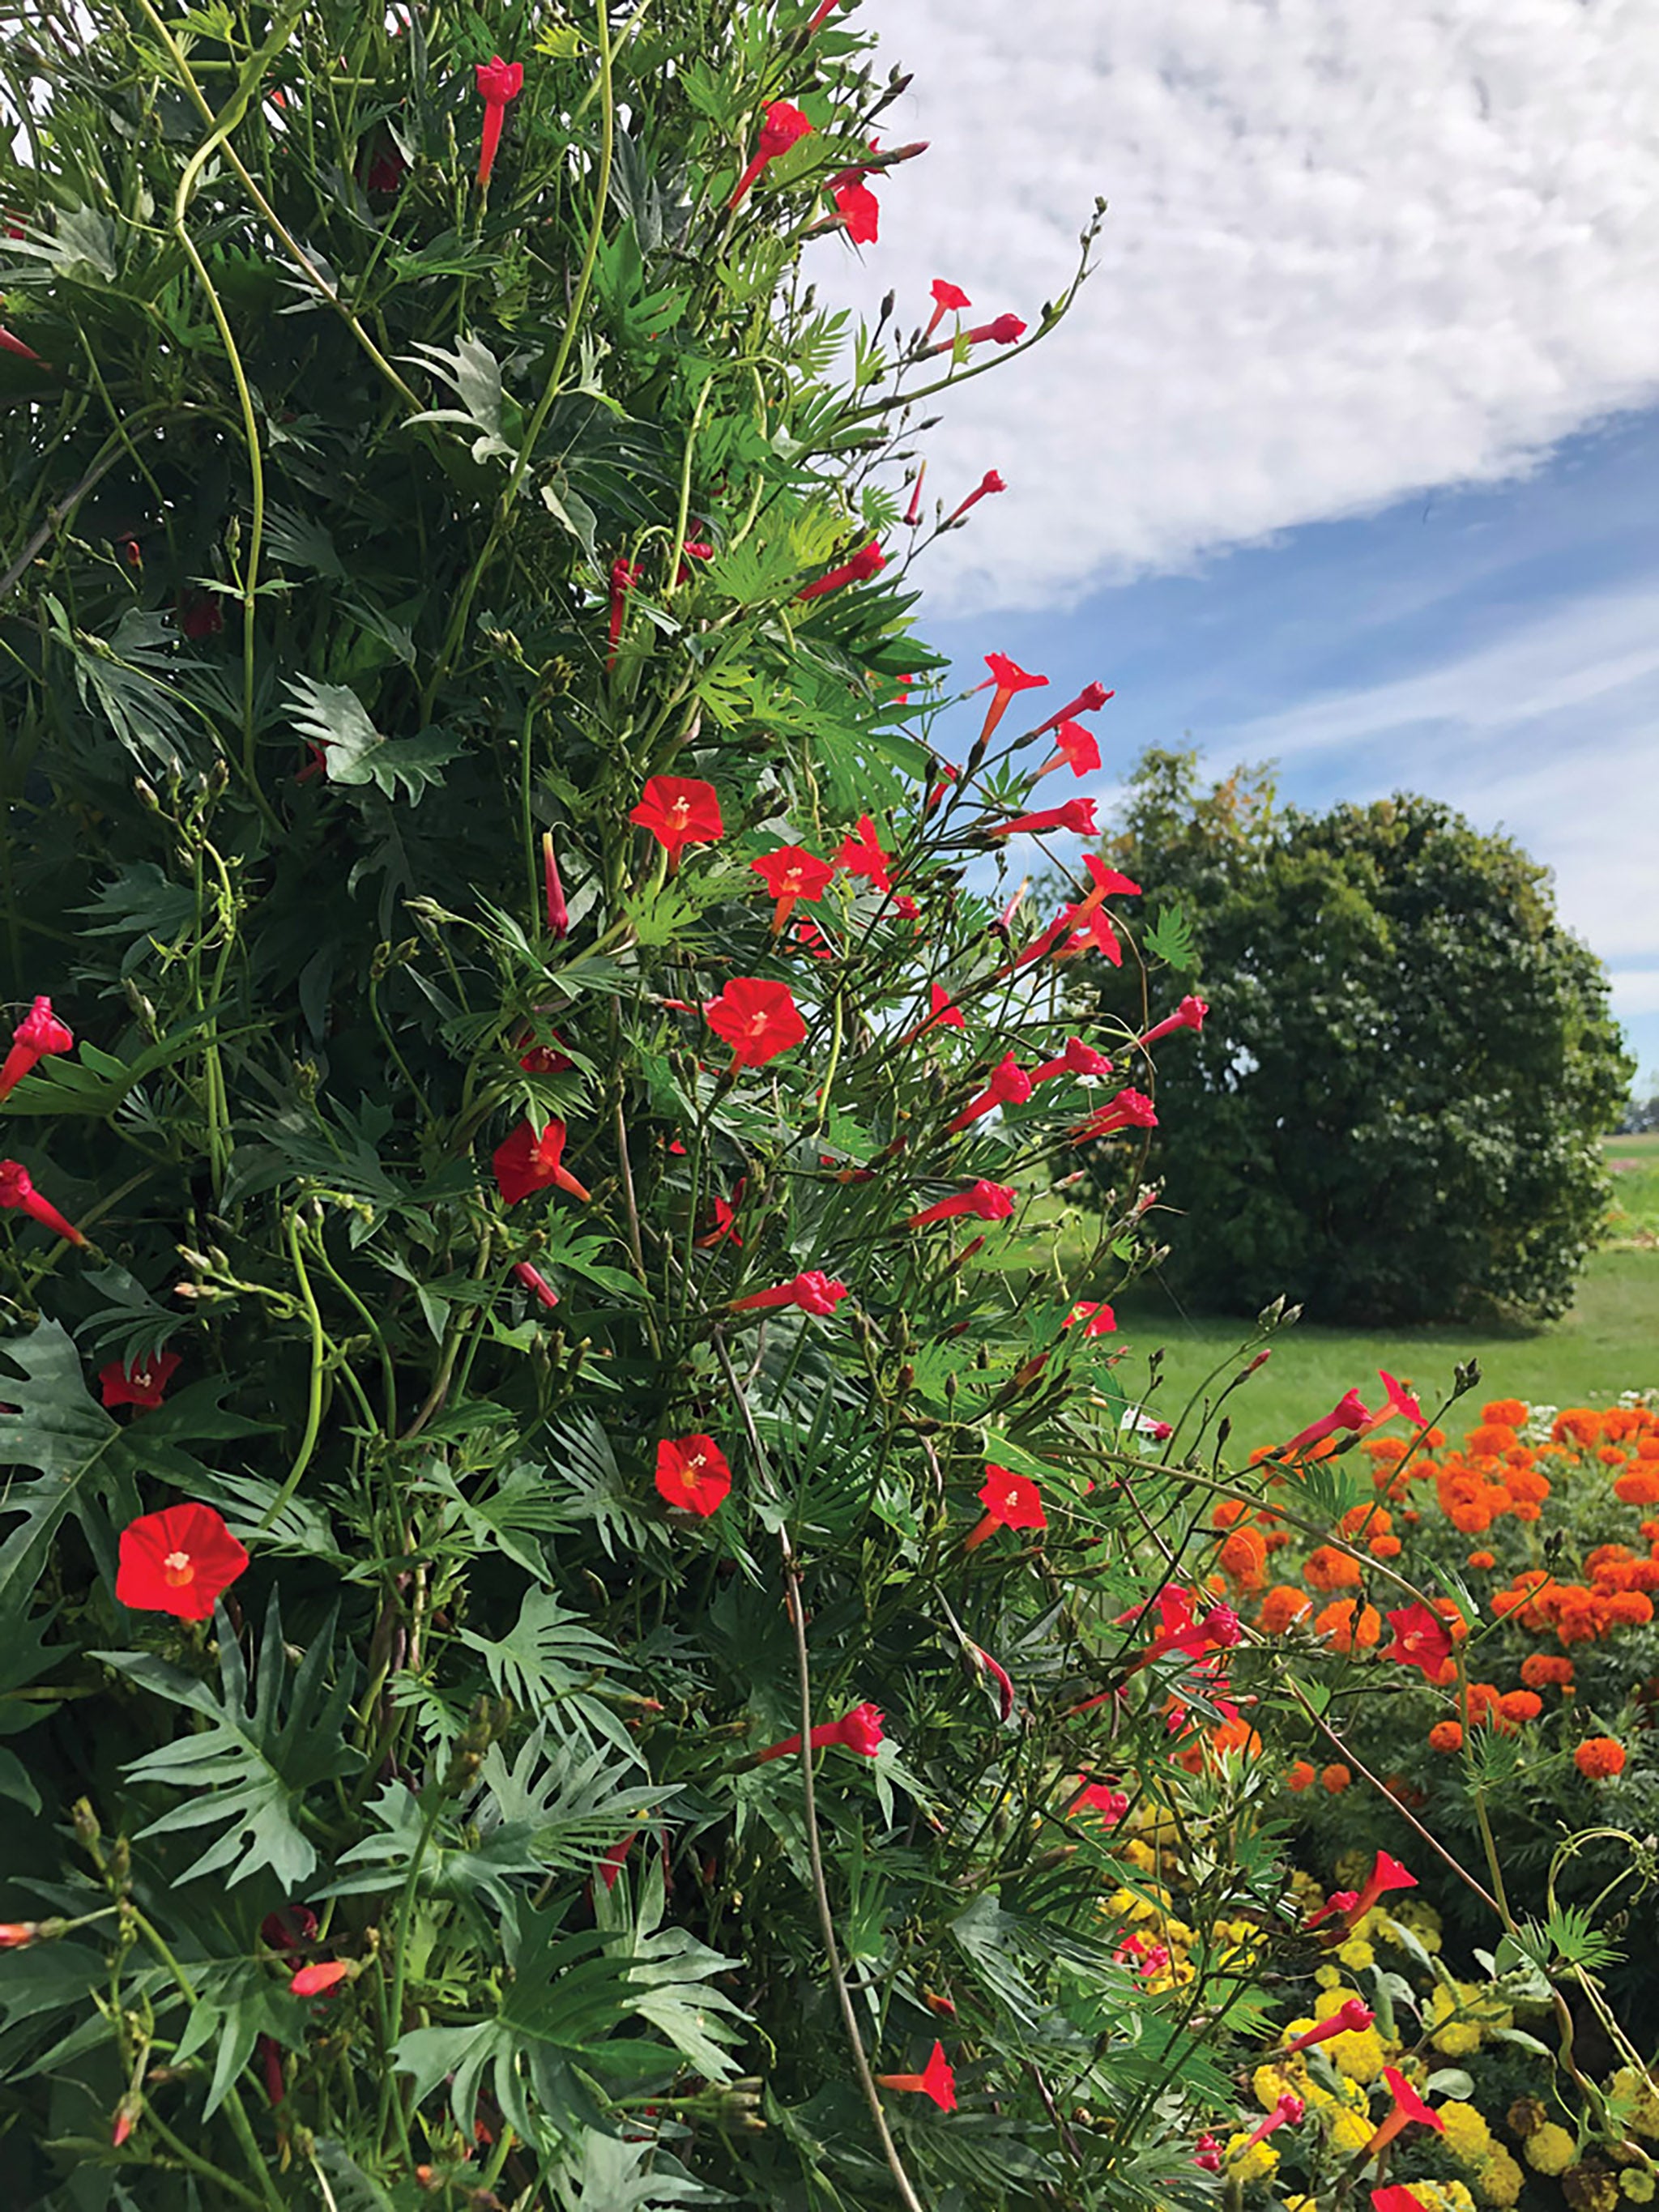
1392 1113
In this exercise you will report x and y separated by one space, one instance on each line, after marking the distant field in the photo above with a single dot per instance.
1635 1165
1608 1342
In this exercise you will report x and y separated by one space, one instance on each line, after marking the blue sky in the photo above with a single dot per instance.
1495 647
1347 454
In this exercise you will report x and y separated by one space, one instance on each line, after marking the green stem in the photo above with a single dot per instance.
314 1402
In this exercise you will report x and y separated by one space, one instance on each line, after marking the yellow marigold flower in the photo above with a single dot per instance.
1419 1919
1443 2195
1140 1854
1356 1953
1637 2101
1499 2179
1467 2135
1636 2183
1351 2131
1252 2163
1334 1998
1269 2083
1454 2036
1298 2204
1329 1978
1549 2149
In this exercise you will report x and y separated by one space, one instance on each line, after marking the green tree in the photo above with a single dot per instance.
1392 1113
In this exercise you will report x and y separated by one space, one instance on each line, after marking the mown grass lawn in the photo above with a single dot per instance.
1607 1342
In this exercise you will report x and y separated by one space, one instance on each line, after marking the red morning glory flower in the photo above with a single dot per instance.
679 810
1421 1639
862 856
860 1731
1130 1109
1078 814
17 1191
791 873
1399 1400
692 1473
498 82
948 300
1353 2019
935 2080
177 1561
1075 748
1386 1875
1004 330
812 1291
857 206
868 561
532 1160
989 482
1011 1501
38 1033
317 1981
1077 1059
987 1201
1099 1797
757 1018
535 1283
1088 700
1099 1320
1349 1412
942 1014
558 914
1008 678
1010 1085
143 1384
1408 2107
1189 1015
783 125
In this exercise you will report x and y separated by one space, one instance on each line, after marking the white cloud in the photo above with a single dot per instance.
1354 249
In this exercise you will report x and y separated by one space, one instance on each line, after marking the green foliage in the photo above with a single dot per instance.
1392 1113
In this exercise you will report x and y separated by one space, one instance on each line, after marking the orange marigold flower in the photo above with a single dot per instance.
1610 1455
1647 1447
1637 1486
1283 1604
1445 1736
1337 1622
1244 1555
1520 1706
1385 1547
1626 1610
1605 1555
1510 1412
1543 1670
1483 1700
1490 1438
1482 1559
1336 1779
1228 1513
1300 1776
1599 1758
1579 1424
1328 1569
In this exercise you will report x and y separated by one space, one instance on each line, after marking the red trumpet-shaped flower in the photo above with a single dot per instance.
1397 1399
987 1201
1207 2154
860 1731
812 1291
912 517
824 8
535 1283
10 342
1085 923
177 1561
998 1674
989 482
1009 1085
1396 2198
1008 678
1348 1412
783 125
1011 1501
1130 1109
17 1191
38 1033
692 1473
1340 1900
1077 1059
868 561
1089 700
1288 2112
622 580
558 914
679 810
722 1224
1007 330
1386 1875
1353 2019
1075 748
1180 1629
317 1981
1189 1015
1408 2110
532 1159
948 300
857 206
498 82
942 1013
862 856
1421 1639
935 2080
143 1383
757 1018
1078 814
1099 1797
791 873
1098 1320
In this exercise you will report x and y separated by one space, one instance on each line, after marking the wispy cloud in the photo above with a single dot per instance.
1353 251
